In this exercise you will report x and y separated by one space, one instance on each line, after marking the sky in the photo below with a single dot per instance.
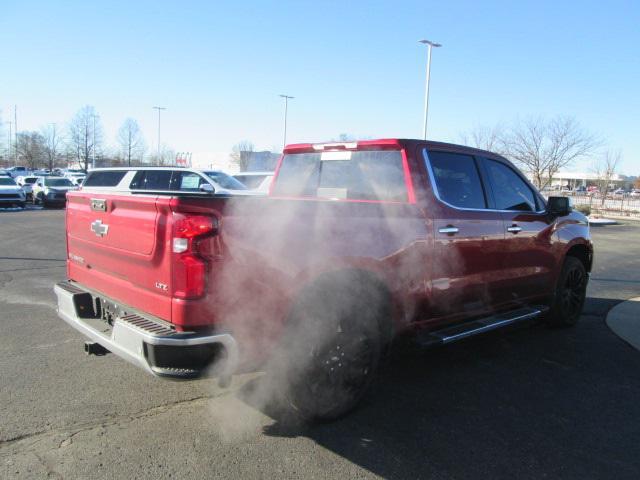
353 67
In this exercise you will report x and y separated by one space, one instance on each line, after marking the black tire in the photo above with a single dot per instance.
332 346
571 292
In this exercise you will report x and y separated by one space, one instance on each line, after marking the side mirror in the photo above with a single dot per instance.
207 188
559 206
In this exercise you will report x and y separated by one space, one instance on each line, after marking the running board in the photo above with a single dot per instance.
475 327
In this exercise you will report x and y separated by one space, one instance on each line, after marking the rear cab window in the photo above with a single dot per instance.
365 175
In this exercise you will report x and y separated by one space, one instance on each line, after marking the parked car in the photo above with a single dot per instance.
581 190
258 182
51 191
75 177
357 244
164 179
11 194
27 185
635 193
17 171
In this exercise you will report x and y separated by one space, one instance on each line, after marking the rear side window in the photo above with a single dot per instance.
509 190
457 179
343 175
103 179
151 180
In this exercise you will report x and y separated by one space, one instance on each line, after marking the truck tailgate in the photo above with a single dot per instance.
119 245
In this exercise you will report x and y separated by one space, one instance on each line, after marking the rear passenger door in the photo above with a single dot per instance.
527 260
468 236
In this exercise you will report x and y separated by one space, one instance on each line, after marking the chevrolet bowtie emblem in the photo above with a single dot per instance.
99 229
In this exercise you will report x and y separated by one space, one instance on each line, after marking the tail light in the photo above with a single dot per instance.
189 267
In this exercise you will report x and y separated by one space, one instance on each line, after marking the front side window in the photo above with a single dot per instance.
343 175
457 179
509 190
186 181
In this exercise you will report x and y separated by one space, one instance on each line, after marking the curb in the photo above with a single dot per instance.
624 321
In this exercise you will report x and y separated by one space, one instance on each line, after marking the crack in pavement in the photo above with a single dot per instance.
25 442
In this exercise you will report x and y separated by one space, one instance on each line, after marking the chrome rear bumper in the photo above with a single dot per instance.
134 337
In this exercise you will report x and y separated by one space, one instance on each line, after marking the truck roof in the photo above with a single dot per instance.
391 143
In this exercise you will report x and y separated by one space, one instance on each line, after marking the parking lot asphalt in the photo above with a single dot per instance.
531 402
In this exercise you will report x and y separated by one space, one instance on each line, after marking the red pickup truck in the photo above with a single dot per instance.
356 244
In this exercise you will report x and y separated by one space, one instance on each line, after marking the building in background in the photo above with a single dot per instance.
574 180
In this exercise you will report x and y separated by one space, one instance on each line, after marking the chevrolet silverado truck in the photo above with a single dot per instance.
356 244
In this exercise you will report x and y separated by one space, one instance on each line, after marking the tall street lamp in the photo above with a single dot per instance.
159 110
286 105
429 45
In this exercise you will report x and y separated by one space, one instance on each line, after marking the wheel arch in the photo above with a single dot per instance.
364 279
582 252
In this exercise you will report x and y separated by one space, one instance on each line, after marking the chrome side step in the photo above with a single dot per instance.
475 327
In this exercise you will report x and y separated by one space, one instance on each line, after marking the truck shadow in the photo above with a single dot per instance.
523 403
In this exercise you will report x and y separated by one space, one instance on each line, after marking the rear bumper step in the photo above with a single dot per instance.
475 327
146 343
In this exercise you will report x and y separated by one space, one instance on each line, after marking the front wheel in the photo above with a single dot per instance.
570 294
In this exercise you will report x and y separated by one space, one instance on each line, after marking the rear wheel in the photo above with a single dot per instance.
570 294
333 347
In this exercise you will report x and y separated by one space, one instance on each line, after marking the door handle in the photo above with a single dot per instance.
449 230
514 229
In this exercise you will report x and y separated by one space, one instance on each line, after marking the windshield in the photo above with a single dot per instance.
7 181
225 181
30 180
343 175
58 182
250 181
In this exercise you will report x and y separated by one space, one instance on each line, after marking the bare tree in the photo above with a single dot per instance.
485 138
240 154
85 135
52 144
131 141
544 147
31 148
605 169
167 156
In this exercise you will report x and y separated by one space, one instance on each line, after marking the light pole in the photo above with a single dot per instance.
429 45
9 143
15 131
286 105
159 110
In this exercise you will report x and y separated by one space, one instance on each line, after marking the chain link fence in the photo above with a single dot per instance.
614 205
